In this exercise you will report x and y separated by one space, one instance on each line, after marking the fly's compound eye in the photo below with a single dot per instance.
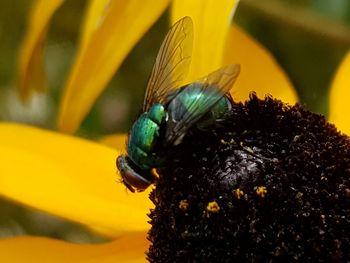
132 179
121 163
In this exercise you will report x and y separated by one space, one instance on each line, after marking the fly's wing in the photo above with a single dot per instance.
172 63
210 90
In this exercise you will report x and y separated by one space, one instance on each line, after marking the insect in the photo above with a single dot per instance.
171 110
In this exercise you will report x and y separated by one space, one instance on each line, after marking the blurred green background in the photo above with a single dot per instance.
307 37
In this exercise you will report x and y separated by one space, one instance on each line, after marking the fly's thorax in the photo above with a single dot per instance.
157 113
143 137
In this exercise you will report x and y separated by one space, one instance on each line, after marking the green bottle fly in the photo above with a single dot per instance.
170 109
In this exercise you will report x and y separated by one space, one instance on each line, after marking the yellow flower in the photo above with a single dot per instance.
112 28
75 178
339 97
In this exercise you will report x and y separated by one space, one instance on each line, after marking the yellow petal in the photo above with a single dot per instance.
114 140
31 74
130 248
339 106
211 21
259 70
69 177
94 14
119 27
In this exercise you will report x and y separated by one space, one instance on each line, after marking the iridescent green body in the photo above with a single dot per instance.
218 112
195 93
145 133
143 136
171 111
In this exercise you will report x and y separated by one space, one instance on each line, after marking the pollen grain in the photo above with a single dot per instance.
183 205
261 191
213 207
238 193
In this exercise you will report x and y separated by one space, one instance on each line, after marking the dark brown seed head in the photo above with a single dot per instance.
271 185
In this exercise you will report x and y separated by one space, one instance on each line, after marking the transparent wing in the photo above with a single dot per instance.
209 90
172 63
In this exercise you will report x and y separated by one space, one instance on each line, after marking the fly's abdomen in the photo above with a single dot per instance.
216 114
201 95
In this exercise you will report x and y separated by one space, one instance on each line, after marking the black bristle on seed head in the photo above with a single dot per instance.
271 185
